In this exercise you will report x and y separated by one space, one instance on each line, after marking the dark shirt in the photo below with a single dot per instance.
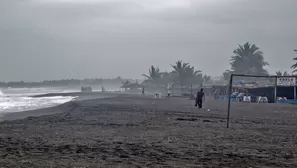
200 95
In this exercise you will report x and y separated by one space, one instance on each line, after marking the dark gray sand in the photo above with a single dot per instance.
145 132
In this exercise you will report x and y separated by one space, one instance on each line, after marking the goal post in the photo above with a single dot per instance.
277 81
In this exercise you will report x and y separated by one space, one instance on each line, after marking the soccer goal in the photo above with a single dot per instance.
260 89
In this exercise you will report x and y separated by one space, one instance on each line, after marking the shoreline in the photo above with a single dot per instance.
74 94
64 107
78 96
37 112
88 94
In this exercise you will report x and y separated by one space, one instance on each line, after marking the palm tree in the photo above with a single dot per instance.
226 75
294 66
179 69
286 73
186 74
154 75
192 76
279 73
248 59
167 77
206 78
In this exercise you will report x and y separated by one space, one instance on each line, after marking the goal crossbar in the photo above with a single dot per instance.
263 76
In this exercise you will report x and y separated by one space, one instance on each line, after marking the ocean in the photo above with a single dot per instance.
18 99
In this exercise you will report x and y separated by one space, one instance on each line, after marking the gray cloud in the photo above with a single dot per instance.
53 40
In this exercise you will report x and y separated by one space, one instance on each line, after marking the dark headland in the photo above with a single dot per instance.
135 131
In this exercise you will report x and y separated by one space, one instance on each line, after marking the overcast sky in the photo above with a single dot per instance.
54 39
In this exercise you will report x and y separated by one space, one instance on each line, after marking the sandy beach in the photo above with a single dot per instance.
135 131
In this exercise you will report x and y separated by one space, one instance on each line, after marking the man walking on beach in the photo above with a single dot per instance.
215 94
199 97
168 93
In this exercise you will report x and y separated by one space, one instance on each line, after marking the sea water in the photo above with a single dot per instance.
18 100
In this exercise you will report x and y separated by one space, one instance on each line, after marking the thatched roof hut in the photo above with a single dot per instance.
129 85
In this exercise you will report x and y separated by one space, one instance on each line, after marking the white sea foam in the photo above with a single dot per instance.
17 100
1 94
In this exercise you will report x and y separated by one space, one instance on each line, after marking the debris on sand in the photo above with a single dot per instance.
186 119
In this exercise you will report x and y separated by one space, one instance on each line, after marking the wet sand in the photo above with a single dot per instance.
135 131
81 94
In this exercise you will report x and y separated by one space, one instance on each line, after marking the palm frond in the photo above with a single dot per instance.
146 76
286 73
294 66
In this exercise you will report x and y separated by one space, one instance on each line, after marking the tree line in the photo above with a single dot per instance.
247 59
66 82
181 72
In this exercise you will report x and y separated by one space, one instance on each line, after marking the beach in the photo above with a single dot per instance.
138 131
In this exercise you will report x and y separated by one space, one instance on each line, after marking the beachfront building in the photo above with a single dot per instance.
284 92
86 89
132 87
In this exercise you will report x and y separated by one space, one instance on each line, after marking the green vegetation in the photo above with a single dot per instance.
248 59
226 75
207 79
154 76
186 74
182 72
279 73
